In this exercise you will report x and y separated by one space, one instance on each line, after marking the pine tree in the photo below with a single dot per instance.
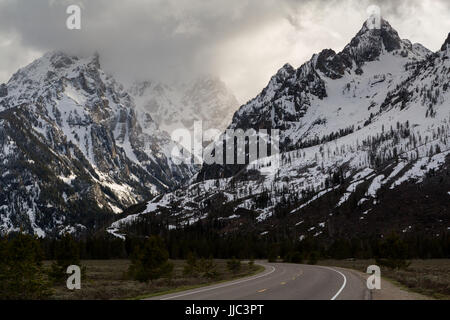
190 269
21 272
208 268
151 261
234 265
393 252
67 253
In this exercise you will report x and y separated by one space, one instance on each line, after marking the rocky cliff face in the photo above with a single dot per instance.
446 45
75 149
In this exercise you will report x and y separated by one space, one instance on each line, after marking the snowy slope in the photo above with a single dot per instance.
355 127
73 140
335 94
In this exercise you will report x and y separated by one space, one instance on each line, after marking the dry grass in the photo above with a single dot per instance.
428 277
108 279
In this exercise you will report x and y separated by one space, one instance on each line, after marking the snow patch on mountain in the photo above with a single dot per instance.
72 135
371 117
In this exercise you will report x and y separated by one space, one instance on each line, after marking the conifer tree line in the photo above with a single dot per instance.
204 243
23 275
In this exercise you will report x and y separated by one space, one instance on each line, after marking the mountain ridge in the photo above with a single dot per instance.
293 94
102 155
355 128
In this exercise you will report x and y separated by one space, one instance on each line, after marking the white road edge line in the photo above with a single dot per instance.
221 286
343 286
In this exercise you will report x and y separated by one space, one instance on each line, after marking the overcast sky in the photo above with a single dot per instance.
242 41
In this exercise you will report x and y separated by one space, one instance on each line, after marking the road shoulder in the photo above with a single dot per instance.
390 290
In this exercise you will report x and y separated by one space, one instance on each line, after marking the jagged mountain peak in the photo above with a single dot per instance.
369 43
287 68
60 59
368 38
284 72
55 69
57 61
368 27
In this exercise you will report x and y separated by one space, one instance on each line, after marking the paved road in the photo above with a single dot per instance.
283 281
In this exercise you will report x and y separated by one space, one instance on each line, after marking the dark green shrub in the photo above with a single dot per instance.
151 261
67 253
234 265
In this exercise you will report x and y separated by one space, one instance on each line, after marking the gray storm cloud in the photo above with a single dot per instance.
242 41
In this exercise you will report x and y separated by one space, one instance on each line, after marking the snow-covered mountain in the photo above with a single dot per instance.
364 135
332 94
75 149
179 105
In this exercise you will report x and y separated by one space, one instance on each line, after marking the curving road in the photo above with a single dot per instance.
283 281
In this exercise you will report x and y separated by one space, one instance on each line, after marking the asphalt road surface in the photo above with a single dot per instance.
283 281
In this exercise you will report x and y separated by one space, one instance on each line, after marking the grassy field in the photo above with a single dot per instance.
428 277
108 279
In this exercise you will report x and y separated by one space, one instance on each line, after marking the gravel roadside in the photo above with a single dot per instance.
389 290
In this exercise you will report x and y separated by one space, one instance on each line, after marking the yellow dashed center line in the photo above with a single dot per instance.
260 291
283 283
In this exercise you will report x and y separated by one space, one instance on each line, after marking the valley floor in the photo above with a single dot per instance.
108 280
